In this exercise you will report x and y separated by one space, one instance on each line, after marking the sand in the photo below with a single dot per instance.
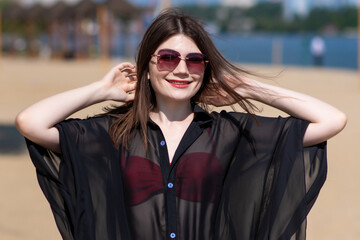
25 213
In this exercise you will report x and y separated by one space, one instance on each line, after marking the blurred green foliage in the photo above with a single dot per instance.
4 3
262 17
9 25
341 19
268 17
21 25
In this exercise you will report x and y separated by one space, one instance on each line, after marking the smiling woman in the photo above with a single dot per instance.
161 166
181 80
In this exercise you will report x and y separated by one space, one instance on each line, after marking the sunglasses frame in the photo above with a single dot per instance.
191 65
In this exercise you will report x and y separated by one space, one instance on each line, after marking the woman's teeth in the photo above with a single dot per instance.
179 83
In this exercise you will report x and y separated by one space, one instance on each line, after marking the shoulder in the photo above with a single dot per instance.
97 124
87 136
232 118
249 122
256 123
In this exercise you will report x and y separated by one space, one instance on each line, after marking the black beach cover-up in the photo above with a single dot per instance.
230 178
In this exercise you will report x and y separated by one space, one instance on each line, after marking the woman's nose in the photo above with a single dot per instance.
181 68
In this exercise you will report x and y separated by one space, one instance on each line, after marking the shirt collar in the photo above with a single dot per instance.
202 117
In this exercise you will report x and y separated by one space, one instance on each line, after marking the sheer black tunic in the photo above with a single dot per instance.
230 178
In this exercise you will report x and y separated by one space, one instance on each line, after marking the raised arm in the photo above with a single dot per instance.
38 120
325 120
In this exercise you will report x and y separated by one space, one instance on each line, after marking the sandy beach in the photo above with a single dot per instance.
25 213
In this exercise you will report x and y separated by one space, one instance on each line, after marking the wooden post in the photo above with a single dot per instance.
0 39
277 51
104 38
358 43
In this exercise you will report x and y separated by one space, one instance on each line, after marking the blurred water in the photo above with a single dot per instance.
292 49
258 48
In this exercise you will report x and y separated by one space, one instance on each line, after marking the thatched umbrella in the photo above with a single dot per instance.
61 11
84 14
27 18
60 18
123 9
12 19
85 9
35 17
70 24
13 12
127 13
36 12
103 12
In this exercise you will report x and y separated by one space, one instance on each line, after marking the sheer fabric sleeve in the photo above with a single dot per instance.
47 164
83 185
273 183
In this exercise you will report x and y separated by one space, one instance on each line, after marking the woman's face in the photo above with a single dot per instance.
182 81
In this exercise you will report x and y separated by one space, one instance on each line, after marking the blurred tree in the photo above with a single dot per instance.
206 13
264 16
317 19
347 18
320 19
4 3
268 17
265 10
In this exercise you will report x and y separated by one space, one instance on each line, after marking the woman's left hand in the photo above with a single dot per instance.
218 97
215 95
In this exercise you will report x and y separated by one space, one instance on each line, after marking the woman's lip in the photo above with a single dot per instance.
179 83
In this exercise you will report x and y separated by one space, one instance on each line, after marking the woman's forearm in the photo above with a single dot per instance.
325 120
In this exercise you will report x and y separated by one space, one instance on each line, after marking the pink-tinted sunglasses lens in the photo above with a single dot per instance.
169 59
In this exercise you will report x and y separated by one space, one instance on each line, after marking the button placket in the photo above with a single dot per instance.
171 206
171 203
170 193
169 173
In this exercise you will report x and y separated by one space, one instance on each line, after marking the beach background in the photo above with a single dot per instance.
25 214
50 46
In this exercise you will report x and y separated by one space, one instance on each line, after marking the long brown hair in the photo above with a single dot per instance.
169 23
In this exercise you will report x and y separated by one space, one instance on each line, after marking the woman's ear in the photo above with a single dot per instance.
148 76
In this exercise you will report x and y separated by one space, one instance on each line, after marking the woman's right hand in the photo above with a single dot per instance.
119 83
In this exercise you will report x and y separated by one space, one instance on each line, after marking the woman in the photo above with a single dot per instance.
161 167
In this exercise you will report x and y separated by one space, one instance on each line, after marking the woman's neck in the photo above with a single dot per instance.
166 112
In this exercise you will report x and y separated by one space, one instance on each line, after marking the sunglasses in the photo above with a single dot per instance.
168 60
